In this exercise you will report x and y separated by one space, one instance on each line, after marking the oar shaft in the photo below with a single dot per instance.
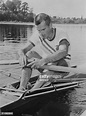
13 68
8 89
56 68
64 69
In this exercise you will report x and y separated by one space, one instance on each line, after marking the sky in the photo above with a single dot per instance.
59 8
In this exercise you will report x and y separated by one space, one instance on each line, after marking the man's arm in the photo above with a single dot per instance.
26 48
22 54
60 53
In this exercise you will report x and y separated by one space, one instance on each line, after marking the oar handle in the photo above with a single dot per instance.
30 62
63 69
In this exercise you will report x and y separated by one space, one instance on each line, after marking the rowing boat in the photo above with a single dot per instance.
30 102
19 102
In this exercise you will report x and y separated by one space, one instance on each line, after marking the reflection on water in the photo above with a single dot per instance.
77 100
72 102
9 48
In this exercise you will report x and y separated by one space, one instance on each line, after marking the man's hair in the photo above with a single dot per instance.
42 17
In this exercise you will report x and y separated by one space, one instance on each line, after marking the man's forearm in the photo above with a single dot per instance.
55 57
26 49
21 52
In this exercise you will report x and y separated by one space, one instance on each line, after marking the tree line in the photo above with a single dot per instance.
15 10
68 20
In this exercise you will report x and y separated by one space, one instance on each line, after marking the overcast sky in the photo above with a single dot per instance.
62 8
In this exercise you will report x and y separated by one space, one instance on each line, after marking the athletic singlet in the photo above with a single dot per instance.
46 47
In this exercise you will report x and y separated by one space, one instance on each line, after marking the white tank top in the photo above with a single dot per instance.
46 47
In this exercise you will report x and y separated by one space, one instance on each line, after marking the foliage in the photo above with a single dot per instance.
68 20
15 10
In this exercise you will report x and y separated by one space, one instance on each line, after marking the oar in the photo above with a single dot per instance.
65 69
13 68
31 61
9 62
79 69
9 89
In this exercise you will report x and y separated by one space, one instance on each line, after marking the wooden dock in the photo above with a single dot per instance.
16 23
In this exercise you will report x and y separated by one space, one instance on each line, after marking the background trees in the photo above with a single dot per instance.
15 10
68 20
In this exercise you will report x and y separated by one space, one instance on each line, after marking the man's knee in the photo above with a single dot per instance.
26 69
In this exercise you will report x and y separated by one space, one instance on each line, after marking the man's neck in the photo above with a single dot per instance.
51 35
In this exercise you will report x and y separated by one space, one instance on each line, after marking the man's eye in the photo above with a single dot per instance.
43 29
39 31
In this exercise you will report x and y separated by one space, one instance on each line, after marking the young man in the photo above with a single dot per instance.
53 47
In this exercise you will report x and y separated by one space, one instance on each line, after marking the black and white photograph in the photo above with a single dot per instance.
42 57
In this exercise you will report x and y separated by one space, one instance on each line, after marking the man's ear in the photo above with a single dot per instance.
50 25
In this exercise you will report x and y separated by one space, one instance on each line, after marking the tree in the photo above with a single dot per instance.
1 1
15 10
17 4
3 7
14 5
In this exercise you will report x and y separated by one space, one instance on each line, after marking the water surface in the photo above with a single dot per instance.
75 99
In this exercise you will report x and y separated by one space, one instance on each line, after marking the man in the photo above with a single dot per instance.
53 47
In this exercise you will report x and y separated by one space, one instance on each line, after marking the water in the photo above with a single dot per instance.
75 99
77 34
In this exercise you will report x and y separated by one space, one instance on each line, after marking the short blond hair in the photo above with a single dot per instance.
42 17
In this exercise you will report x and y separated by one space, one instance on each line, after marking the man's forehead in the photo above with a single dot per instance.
42 25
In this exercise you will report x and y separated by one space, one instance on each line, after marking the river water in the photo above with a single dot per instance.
77 35
76 99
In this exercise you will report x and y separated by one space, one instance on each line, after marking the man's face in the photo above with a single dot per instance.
43 29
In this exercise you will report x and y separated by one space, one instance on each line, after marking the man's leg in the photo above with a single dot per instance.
26 74
49 76
27 71
46 78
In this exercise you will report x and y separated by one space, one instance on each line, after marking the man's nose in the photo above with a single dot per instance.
42 34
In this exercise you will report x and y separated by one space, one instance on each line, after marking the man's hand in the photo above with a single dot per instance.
38 63
23 60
